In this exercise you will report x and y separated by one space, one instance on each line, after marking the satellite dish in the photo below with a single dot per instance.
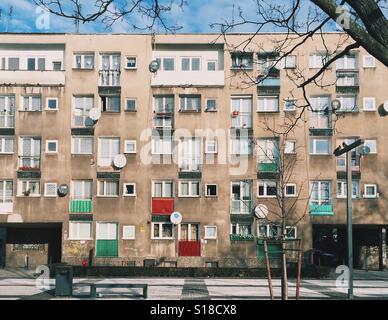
261 211
176 217
336 104
386 106
95 114
63 190
363 150
154 66
120 161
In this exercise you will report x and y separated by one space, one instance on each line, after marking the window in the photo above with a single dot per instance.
190 64
355 157
242 60
6 144
347 79
290 105
348 103
290 147
342 189
211 65
13 63
162 144
211 146
82 189
317 60
240 146
242 229
57 65
7 111
211 190
320 193
241 199
130 146
320 146
369 104
6 191
106 231
36 64
241 109
348 61
211 105
372 145
190 103
163 111
370 191
189 188
290 62
166 64
52 104
190 150
108 188
29 152
108 148
267 150
267 61
130 104
267 189
82 145
128 232
51 146
29 188
50 189
31 103
268 104
290 190
162 189
319 115
210 232
369 61
80 230
131 63
110 103
84 61
82 106
109 74
129 190
162 230
110 62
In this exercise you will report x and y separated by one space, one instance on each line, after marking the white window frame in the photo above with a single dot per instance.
46 187
321 201
238 227
4 199
162 141
343 189
215 65
84 110
207 142
29 109
161 231
317 115
163 182
290 195
265 101
290 58
126 142
368 142
371 185
161 61
83 55
28 181
112 140
77 223
211 99
346 61
191 64
317 60
347 109
108 103
78 138
104 182
370 99
265 184
313 150
285 104
83 189
208 237
190 194
190 154
56 104
373 65
185 99
126 104
290 141
238 121
56 146
112 226
125 194
133 232
211 196
3 139
126 62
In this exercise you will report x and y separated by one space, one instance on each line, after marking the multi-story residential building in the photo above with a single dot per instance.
98 148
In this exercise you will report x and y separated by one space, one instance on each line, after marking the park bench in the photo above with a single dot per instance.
94 286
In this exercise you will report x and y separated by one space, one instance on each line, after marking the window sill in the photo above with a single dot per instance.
189 111
83 69
51 153
370 197
206 196
130 111
130 69
30 196
267 111
128 239
104 197
82 154
162 239
32 111
370 110
210 110
266 197
52 110
88 239
196 197
129 195
6 153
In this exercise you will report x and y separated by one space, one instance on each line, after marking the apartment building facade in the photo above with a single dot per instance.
104 136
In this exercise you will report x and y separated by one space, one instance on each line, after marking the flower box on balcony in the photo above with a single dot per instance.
321 210
25 168
162 206
241 237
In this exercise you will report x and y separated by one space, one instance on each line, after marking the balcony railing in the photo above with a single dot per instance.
162 206
241 206
46 77
268 167
189 248
109 78
81 206
242 237
29 163
321 210
7 121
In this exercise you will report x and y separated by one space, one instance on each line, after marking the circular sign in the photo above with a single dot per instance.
261 211
120 161
335 104
95 114
176 217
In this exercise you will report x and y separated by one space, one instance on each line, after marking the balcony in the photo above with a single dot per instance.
241 207
81 206
29 163
268 85
321 210
189 248
242 237
268 167
162 206
109 78
347 82
27 77
188 78
7 120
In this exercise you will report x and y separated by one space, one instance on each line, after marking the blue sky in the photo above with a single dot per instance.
196 16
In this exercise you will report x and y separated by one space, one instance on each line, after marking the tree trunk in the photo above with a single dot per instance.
284 278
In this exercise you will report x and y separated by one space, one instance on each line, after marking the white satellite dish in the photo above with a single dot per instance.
176 217
386 106
95 114
261 211
119 161
336 104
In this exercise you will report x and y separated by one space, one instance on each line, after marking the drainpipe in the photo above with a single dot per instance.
26 262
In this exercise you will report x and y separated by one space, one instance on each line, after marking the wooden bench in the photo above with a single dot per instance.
94 286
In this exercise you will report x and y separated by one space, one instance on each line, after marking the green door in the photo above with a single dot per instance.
107 244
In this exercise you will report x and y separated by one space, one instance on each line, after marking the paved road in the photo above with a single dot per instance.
18 284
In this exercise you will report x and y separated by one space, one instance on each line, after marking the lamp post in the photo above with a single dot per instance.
337 152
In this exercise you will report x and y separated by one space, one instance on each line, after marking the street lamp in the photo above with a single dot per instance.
337 152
